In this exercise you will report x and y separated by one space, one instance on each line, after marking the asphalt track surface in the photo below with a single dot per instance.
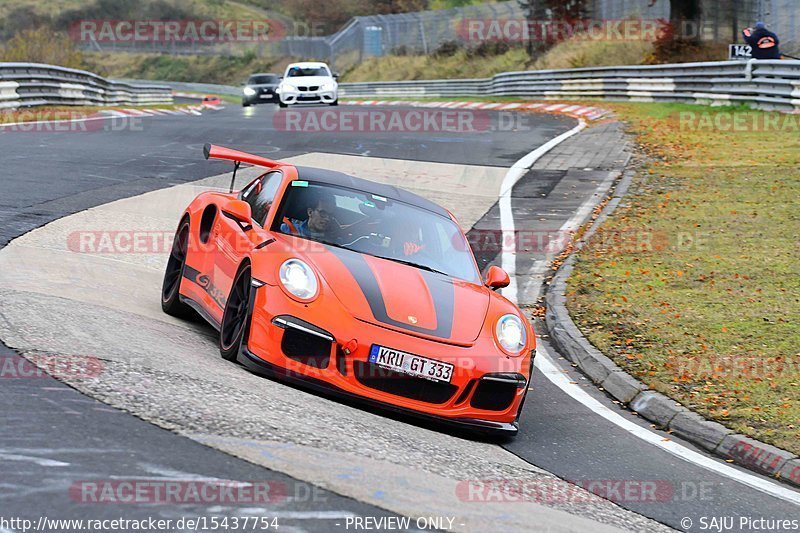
50 175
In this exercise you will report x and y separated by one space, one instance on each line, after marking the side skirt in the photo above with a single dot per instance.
200 311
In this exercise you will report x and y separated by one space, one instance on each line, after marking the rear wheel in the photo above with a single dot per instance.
235 319
170 290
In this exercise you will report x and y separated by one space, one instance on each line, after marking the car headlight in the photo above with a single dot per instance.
328 86
249 91
510 333
288 87
299 280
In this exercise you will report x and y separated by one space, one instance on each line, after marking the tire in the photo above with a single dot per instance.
245 104
170 290
282 105
335 102
236 318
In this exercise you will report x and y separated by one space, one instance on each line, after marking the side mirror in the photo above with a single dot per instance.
239 210
497 278
336 75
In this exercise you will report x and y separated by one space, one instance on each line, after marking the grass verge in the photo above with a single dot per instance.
693 285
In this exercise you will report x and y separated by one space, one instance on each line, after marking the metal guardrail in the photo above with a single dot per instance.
198 88
35 84
762 84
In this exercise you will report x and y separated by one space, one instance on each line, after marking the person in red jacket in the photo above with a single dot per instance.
763 42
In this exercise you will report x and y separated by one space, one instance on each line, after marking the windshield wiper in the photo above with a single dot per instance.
416 265
401 261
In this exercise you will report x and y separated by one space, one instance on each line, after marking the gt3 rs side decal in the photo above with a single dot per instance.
440 288
205 282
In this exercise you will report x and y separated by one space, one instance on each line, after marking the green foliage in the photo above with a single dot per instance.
42 46
458 63
20 19
116 10
227 70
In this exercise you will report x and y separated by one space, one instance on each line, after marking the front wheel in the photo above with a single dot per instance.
335 102
282 105
170 290
235 319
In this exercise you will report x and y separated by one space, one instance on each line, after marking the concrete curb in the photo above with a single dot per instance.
653 406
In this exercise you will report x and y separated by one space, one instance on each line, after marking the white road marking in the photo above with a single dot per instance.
136 112
550 369
170 473
547 367
27 458
517 170
289 515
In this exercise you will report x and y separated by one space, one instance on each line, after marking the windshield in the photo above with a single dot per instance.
378 226
262 80
296 72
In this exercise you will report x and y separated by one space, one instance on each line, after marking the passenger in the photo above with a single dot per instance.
407 239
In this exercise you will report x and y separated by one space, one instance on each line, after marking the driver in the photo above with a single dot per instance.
320 224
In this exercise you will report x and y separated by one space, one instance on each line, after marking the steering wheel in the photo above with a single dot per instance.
292 228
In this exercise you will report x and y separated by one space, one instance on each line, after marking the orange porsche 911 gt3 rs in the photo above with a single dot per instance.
357 288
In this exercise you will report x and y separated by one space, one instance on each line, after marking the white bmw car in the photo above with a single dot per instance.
308 83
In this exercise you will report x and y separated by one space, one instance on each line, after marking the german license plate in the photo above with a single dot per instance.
413 365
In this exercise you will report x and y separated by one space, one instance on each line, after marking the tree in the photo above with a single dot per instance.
681 36
563 12
684 17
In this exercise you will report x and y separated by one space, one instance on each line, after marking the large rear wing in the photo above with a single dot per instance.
212 151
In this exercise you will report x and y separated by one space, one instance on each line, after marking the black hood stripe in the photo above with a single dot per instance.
440 287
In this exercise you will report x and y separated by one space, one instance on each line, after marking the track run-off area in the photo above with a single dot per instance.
86 221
